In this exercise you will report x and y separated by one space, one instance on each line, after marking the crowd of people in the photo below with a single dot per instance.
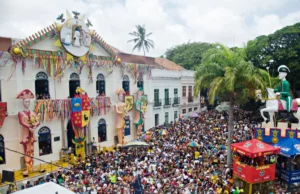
167 165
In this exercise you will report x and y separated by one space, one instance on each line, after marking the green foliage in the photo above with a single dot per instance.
141 39
228 75
277 49
188 55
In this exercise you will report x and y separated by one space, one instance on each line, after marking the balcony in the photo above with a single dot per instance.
167 102
190 99
176 101
157 103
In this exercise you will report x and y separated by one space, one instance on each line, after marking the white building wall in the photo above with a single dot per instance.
11 130
161 80
187 79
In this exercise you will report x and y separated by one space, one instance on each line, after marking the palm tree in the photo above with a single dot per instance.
141 39
229 76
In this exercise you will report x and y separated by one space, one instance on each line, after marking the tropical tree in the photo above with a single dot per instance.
188 55
141 39
226 74
280 48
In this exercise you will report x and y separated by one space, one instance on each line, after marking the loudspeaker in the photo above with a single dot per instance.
7 176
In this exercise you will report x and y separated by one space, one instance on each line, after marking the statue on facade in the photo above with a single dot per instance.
120 109
29 121
140 109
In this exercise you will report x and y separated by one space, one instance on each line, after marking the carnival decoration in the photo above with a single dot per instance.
3 112
80 117
89 23
129 103
136 70
61 18
74 41
285 103
250 177
140 106
29 121
275 135
121 111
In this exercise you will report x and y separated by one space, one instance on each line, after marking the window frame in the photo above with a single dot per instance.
41 80
140 84
190 91
126 81
99 82
74 77
167 116
127 130
183 91
102 122
42 133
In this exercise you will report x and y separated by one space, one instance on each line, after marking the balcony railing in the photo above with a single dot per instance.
190 99
176 101
167 101
157 103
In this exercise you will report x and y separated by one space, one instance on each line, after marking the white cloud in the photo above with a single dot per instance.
171 21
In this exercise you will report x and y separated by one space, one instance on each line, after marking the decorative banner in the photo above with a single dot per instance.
254 174
129 103
3 110
80 115
273 135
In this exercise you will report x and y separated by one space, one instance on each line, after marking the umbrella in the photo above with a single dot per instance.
136 144
194 115
193 144
163 132
146 137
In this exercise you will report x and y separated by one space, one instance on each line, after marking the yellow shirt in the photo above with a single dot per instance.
197 154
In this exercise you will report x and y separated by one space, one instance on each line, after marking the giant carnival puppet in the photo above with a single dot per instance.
140 106
284 104
29 121
120 109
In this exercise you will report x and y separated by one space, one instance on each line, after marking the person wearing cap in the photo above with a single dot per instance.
283 89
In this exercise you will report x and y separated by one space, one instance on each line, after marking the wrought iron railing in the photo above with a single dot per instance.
157 102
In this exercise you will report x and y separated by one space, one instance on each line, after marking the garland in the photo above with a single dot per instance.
50 109
136 70
61 109
100 106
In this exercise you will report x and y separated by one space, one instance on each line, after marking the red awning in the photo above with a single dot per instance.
254 148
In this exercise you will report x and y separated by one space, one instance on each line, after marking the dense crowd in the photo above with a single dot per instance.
167 165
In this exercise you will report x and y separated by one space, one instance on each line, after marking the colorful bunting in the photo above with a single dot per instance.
61 109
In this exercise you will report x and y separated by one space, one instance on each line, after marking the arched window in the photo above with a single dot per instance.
45 141
2 150
102 130
100 84
127 126
73 84
41 86
125 84
140 83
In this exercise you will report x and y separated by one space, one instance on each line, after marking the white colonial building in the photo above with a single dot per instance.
168 86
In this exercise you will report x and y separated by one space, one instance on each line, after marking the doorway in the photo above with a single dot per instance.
70 135
156 119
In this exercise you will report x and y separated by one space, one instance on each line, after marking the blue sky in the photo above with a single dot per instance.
231 22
